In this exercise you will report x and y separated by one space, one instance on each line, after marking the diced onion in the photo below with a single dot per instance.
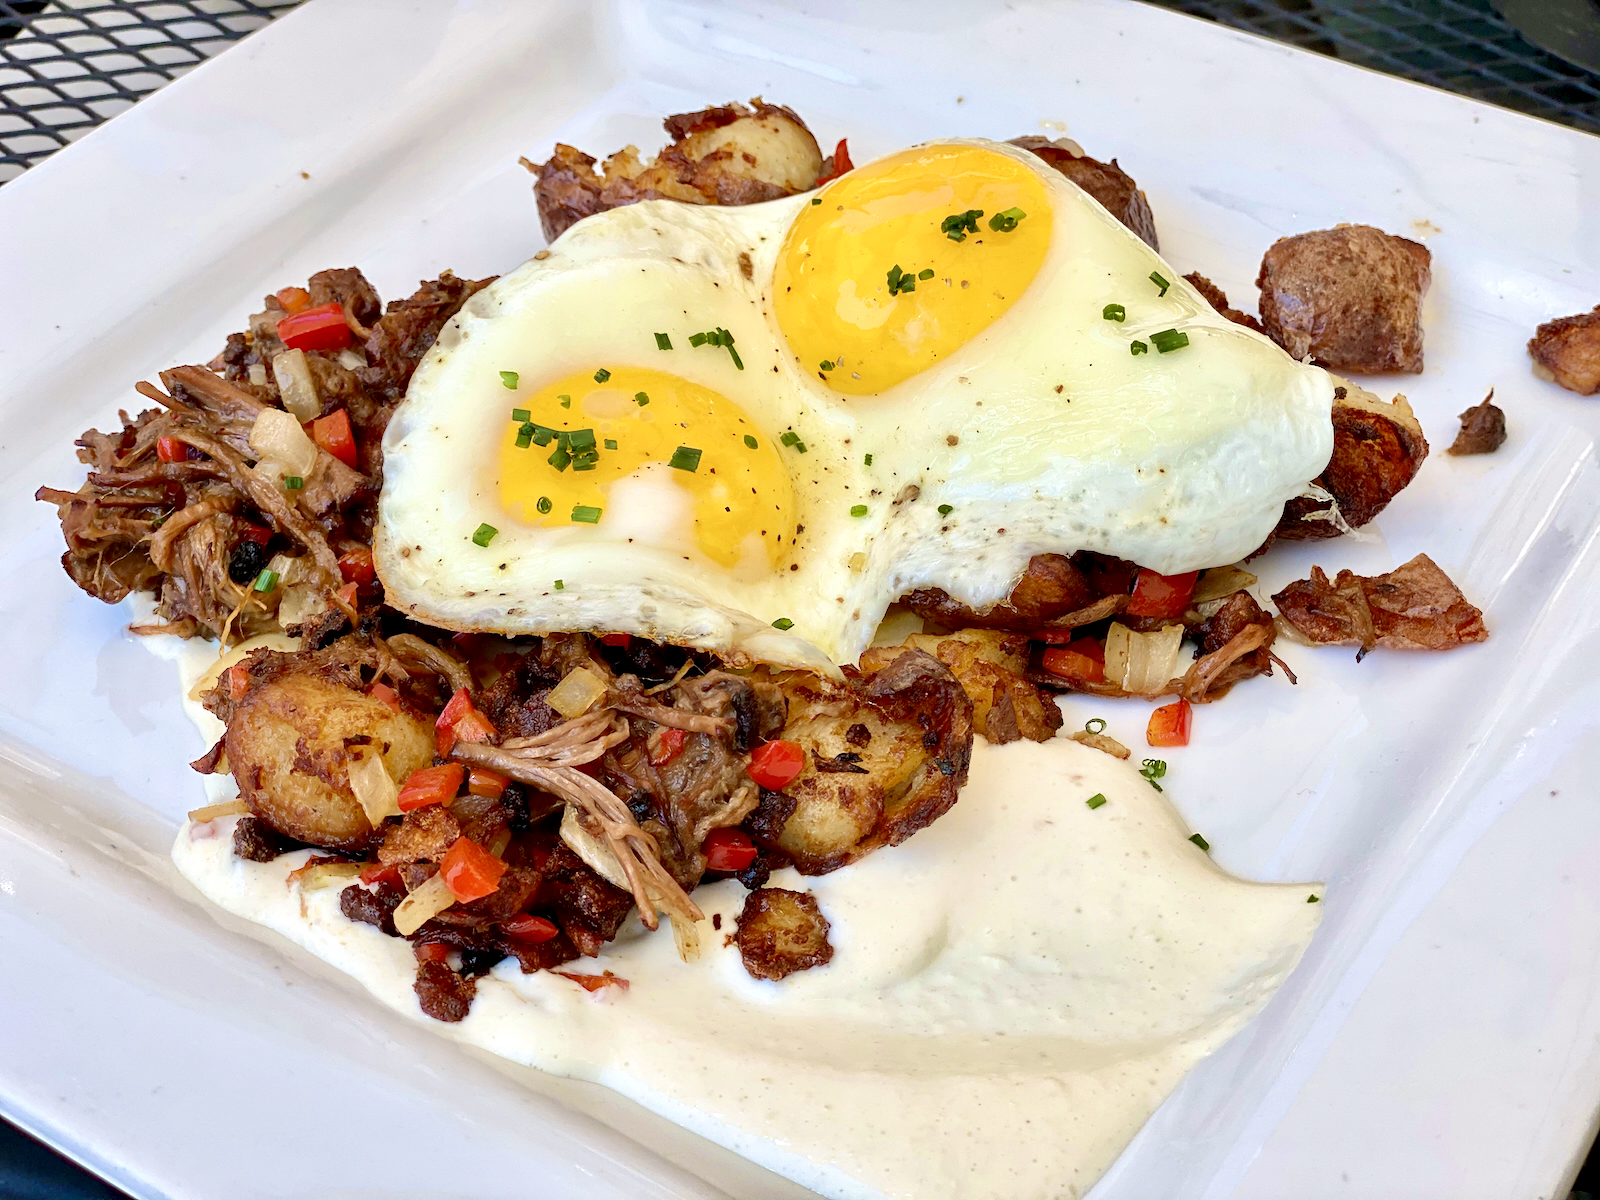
258 375
295 385
277 436
593 850
350 360
290 568
298 604
685 937
374 789
313 877
1143 664
1221 582
228 808
422 905
575 695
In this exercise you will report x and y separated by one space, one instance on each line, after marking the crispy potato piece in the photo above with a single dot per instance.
1108 183
1483 429
289 744
1218 299
1377 450
1349 297
886 754
422 836
1413 607
1566 351
991 668
1048 587
725 155
781 932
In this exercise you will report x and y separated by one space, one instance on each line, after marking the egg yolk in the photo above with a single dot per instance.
583 433
897 264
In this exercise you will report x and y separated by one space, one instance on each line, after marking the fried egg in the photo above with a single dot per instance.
749 430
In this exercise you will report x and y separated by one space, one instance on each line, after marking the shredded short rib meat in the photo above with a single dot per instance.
1566 351
1413 607
1349 298
1483 429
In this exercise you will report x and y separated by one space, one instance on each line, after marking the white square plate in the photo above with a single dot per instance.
1440 1038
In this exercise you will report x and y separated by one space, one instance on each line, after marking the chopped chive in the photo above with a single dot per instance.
1201 842
1155 278
1114 312
611 443
585 464
602 375
957 225
1152 770
697 339
543 435
266 581
727 344
789 437
783 623
586 514
925 273
816 199
800 446
641 398
868 460
1006 221
293 482
826 364
580 441
750 441
559 458
1169 340
521 416
483 535
1089 725
685 458
566 401
1138 348
1313 898
858 510
544 504
663 342
560 587
901 281
1096 800
509 379
946 509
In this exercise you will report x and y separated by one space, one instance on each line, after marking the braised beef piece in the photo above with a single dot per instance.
1108 183
444 995
348 288
1483 429
1413 607
372 907
1050 586
515 702
588 909
255 840
1237 611
1566 351
539 956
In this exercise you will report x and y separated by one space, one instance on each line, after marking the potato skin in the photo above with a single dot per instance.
289 744
781 932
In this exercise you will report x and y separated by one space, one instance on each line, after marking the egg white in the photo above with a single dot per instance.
1043 433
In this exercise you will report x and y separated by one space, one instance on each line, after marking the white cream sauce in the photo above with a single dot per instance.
1013 991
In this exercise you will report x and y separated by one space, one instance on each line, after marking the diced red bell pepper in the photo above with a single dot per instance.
431 951
526 927
774 765
666 746
481 781
470 871
319 328
1083 660
841 162
593 983
334 435
728 849
238 681
356 566
382 691
259 534
1161 595
461 722
431 785
346 595
171 450
617 639
293 299
1169 725
378 873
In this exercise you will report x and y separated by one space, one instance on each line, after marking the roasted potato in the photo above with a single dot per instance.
886 755
1048 587
991 668
781 932
1566 351
1108 183
289 745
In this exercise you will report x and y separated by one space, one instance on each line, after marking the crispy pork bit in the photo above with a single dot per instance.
1108 183
1483 429
1566 351
727 155
1377 450
442 994
1413 607
1349 298
1049 587
781 932
1218 300
991 667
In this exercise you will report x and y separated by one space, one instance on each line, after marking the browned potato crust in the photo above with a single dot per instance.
289 744
1416 606
1377 450
886 755
1567 351
725 155
991 668
781 932
1218 299
1050 586
1108 183
1349 297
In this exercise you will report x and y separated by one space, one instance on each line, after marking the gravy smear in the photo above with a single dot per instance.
1013 991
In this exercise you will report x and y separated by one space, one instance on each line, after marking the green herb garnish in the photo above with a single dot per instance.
1096 800
1152 770
789 437
826 364
925 273
611 443
1155 278
858 510
1169 340
509 379
957 225
559 458
663 342
585 514
602 375
293 482
750 441
1089 725
641 398
816 199
946 509
783 623
544 504
483 535
1313 898
718 337
521 415
1005 222
685 458
1138 348
901 281
1201 842
266 581
566 401
560 587
1114 312
868 460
